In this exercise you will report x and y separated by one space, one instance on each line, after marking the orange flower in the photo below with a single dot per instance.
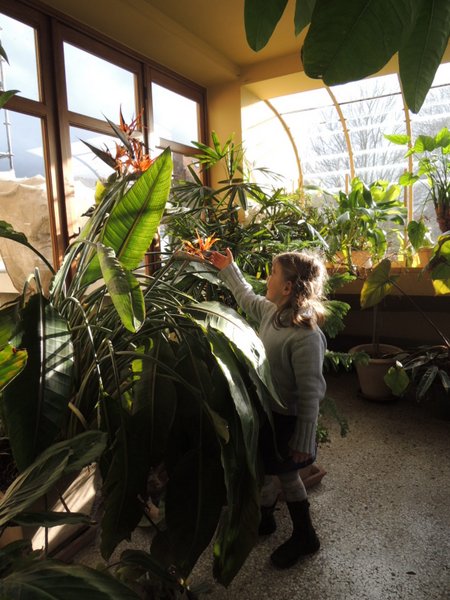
131 158
200 247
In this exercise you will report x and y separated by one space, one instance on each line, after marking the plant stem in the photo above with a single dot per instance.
427 319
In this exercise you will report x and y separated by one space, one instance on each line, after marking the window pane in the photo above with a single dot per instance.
98 88
87 169
175 117
23 201
19 42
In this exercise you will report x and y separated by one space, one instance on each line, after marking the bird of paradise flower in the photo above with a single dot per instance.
200 247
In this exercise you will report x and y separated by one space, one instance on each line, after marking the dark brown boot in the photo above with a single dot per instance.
303 540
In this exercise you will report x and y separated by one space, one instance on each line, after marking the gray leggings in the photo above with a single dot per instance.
291 484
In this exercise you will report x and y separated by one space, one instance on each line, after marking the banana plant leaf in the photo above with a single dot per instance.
134 219
47 580
35 402
12 362
61 458
421 55
303 13
124 289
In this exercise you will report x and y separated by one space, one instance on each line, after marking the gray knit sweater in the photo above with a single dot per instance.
295 356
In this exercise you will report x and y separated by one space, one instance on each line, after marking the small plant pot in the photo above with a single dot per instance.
424 255
360 258
371 376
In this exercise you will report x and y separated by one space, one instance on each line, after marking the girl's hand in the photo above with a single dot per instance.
220 261
299 457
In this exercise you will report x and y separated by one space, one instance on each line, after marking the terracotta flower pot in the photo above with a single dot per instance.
371 376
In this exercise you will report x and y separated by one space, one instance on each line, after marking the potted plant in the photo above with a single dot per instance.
433 168
152 374
420 366
425 370
358 219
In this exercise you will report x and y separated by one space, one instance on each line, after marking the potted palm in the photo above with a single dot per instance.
433 169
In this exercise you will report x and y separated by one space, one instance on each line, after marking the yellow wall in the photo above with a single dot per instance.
224 117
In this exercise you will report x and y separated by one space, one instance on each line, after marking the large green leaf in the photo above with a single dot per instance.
238 528
420 56
124 289
261 18
237 330
8 323
240 392
378 284
125 482
51 519
32 484
439 265
61 458
36 401
303 12
51 581
140 443
134 219
397 379
195 490
7 231
12 362
351 39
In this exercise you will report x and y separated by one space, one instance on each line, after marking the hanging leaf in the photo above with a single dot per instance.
397 379
36 401
12 362
134 219
303 12
194 469
61 458
7 231
261 18
348 41
51 519
53 581
124 289
8 323
6 96
421 54
237 330
378 284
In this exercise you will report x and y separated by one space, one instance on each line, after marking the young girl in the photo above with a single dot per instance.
289 317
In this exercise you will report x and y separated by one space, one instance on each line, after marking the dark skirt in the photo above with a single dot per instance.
274 446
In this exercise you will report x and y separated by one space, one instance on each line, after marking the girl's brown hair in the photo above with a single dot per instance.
307 273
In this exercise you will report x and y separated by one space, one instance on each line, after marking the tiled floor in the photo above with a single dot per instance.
382 512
